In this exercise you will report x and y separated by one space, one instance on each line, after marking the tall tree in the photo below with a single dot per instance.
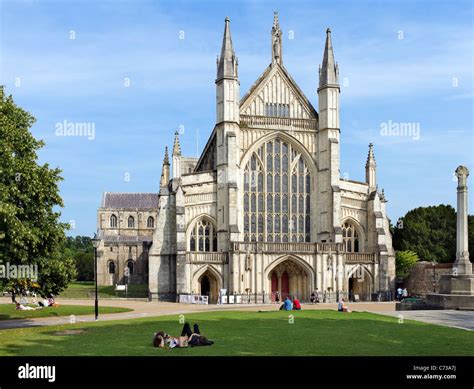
30 230
430 232
81 250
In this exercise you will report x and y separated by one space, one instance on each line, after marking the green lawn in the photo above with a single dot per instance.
8 311
84 290
247 334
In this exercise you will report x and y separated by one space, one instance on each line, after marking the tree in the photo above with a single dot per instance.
30 230
428 231
81 250
404 262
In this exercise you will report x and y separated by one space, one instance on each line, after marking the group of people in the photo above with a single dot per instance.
24 306
289 305
187 338
402 293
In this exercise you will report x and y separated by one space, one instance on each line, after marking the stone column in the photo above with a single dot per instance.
462 265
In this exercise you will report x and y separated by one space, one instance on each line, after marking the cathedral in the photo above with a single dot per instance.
263 211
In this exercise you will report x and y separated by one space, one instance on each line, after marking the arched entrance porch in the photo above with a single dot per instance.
207 282
290 277
360 283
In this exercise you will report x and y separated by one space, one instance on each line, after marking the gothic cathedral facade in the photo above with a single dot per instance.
264 209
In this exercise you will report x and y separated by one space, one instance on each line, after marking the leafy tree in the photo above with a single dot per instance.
405 260
81 250
431 232
30 230
428 231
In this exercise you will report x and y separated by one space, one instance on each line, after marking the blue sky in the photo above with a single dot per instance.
399 61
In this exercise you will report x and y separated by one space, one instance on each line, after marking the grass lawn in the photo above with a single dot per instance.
84 290
8 311
317 332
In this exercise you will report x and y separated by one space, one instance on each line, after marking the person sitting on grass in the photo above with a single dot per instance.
21 307
342 307
287 305
296 304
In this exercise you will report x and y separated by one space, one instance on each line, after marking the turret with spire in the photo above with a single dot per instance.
276 41
165 171
328 144
371 170
227 132
227 81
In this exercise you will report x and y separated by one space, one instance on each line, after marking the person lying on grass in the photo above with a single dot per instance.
21 307
187 338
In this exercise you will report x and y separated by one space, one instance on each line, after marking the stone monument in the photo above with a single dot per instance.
456 290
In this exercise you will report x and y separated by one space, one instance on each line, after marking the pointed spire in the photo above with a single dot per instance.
227 62
276 40
176 146
370 170
165 171
329 71
370 156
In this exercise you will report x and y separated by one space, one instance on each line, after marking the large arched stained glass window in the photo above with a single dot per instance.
277 189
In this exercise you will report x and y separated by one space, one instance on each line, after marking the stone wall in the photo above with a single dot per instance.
420 280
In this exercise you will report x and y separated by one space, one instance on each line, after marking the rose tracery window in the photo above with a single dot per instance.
350 237
203 236
277 189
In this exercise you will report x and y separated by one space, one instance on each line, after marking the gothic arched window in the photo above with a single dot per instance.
131 222
150 223
111 267
277 190
203 236
113 221
350 237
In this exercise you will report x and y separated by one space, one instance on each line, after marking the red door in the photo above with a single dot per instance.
274 282
285 285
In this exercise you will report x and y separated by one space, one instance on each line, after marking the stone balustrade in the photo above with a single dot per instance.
361 257
278 123
195 257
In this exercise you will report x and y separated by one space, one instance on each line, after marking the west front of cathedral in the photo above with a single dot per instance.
264 210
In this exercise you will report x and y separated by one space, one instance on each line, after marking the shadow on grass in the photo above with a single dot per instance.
248 334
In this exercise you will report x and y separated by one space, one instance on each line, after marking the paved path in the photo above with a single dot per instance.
450 318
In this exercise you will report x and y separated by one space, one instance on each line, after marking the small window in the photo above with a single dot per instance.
150 223
111 267
131 222
113 221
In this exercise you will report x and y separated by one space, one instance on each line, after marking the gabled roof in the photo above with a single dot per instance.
290 83
130 200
